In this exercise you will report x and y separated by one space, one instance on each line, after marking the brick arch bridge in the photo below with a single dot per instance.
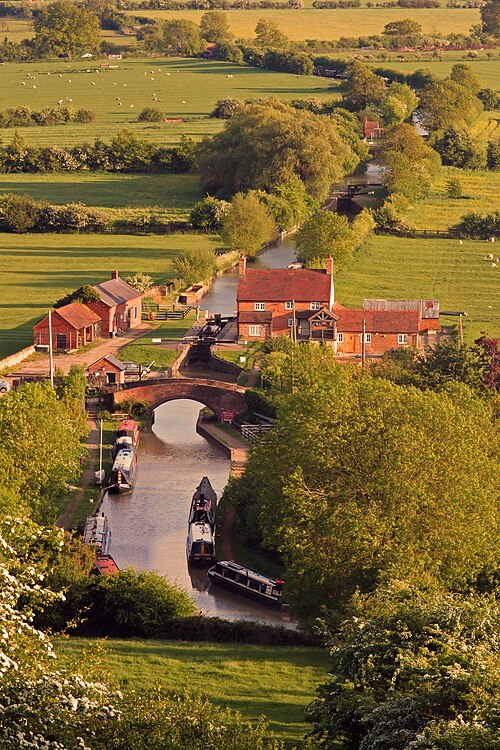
217 395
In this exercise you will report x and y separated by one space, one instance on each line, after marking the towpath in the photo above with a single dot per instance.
88 476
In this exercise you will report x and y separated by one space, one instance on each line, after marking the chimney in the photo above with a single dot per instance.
329 265
114 274
242 265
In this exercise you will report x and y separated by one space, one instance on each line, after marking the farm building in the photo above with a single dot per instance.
108 370
120 306
73 326
372 130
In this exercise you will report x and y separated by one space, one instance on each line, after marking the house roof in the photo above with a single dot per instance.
307 314
284 284
377 321
255 316
112 361
77 315
115 291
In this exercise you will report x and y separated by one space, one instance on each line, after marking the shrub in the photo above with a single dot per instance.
454 188
489 98
389 216
20 213
457 148
151 114
84 294
195 265
227 108
477 226
135 408
208 214
493 155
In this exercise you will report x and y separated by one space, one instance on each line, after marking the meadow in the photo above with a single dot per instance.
186 88
486 69
38 269
276 682
119 196
401 268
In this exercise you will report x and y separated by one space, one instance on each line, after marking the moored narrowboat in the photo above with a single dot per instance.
204 504
105 565
248 582
200 545
128 428
97 533
124 471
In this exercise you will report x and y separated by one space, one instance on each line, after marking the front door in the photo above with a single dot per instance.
111 377
61 341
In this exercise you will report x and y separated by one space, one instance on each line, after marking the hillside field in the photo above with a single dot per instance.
38 269
277 682
400 268
188 89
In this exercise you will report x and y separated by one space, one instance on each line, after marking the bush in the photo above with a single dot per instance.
227 108
208 214
137 409
195 265
454 188
478 227
19 213
493 155
151 114
489 98
84 294
389 216
457 148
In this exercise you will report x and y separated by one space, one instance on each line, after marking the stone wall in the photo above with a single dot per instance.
14 359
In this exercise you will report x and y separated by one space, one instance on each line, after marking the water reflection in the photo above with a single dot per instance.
149 526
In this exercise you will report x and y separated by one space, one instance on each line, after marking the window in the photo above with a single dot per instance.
368 338
402 338
340 338
290 322
315 306
254 330
289 305
135 312
259 306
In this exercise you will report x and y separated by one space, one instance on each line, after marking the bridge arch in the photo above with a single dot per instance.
216 395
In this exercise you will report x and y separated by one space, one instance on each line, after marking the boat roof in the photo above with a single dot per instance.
106 565
124 458
127 424
200 532
246 571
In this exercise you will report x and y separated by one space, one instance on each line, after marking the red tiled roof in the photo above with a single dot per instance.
377 321
255 316
116 291
283 284
78 315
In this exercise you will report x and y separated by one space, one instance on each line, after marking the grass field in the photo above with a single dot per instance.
481 190
487 70
36 270
166 196
487 127
400 268
277 682
142 351
188 89
332 24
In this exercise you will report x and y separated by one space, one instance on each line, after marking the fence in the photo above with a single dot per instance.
440 234
255 431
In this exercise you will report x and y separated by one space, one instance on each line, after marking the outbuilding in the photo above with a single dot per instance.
109 370
73 326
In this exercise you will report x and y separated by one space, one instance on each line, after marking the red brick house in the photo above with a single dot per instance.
384 330
120 306
108 370
73 326
372 130
269 299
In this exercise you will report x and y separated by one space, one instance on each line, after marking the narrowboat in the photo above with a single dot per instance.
97 533
200 545
233 576
123 471
105 565
204 504
128 428
122 442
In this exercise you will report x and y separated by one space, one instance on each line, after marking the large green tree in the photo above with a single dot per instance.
464 75
64 29
214 27
410 164
268 34
458 148
446 103
325 233
362 88
267 143
363 480
182 36
399 104
490 17
248 224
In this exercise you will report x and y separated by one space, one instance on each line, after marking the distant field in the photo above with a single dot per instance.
481 191
400 268
166 196
187 89
487 127
277 682
332 24
488 71
38 269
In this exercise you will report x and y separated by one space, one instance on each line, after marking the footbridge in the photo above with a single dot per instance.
215 394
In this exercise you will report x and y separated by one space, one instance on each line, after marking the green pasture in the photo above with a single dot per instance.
481 190
38 269
187 89
120 196
487 69
310 23
143 351
487 126
276 682
401 268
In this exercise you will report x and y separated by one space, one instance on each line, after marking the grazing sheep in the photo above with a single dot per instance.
460 242
183 102
59 101
34 86
489 256
23 83
493 265
92 84
131 106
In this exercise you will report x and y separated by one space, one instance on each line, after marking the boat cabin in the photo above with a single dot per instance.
200 543
248 582
123 471
105 565
128 428
97 533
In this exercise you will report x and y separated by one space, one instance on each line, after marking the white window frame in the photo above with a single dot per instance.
289 305
368 338
402 338
259 306
340 338
255 330
290 322
315 305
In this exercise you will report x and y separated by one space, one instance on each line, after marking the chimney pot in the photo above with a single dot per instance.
242 265
114 274
329 265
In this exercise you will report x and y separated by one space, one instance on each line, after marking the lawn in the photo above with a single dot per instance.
481 190
188 89
310 23
143 351
123 196
252 352
400 268
37 269
277 682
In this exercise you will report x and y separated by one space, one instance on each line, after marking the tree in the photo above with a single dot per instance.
399 103
457 148
226 108
151 114
465 76
490 17
402 33
269 143
248 224
451 361
447 103
182 37
214 27
454 188
325 233
83 294
64 29
410 164
412 669
140 281
391 216
268 34
493 155
362 88
489 98
208 214
194 265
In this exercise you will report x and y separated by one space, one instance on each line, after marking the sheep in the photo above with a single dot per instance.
131 106
34 86
23 83
460 242
494 265
59 101
489 256
93 83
